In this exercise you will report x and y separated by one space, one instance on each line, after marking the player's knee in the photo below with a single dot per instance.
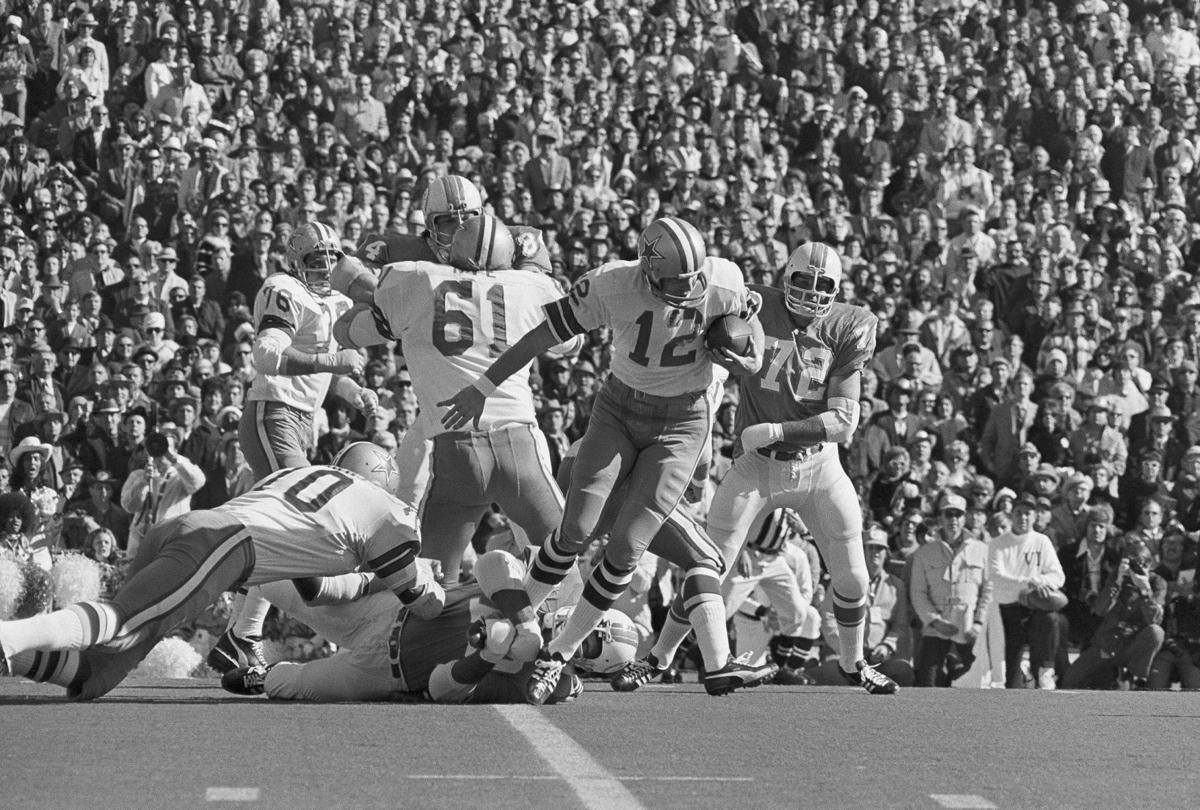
498 570
701 579
443 688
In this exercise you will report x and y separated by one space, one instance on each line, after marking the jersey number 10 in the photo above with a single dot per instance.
454 329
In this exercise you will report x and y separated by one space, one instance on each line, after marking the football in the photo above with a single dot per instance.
730 332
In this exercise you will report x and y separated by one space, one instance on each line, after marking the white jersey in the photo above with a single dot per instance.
284 303
656 349
319 520
453 324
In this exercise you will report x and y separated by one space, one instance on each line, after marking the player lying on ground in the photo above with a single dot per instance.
650 423
312 521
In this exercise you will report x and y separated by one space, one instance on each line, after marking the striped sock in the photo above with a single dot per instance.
851 628
46 666
803 654
549 568
606 584
73 628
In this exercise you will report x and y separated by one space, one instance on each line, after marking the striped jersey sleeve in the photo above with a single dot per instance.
579 311
391 553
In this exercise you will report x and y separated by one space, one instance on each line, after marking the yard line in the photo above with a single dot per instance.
596 787
494 776
962 801
483 776
231 794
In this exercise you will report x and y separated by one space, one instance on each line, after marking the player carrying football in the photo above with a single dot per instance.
312 521
649 427
791 416
453 320
295 357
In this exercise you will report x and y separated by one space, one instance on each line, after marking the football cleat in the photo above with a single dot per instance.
570 686
792 676
637 674
543 681
811 279
737 674
672 675
231 652
246 680
870 679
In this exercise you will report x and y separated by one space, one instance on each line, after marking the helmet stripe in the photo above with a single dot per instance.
485 241
685 245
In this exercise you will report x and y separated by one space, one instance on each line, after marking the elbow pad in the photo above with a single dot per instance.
268 351
352 279
841 420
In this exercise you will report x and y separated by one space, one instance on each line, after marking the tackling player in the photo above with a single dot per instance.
791 416
453 320
313 521
295 357
649 426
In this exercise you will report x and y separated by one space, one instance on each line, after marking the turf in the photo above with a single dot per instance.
167 743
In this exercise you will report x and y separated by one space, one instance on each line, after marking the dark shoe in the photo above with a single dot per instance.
737 674
791 676
870 679
671 675
232 652
637 674
245 680
548 669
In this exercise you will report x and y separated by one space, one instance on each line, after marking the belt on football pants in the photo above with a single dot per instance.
790 455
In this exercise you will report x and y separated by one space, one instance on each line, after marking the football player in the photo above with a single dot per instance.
453 320
448 202
311 521
791 416
295 357
649 426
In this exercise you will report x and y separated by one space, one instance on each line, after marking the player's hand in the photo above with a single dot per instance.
464 407
736 364
972 633
744 564
498 637
367 401
879 653
348 361
761 435
429 603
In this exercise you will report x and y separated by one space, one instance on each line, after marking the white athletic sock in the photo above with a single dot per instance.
582 622
708 618
672 635
248 623
538 591
73 628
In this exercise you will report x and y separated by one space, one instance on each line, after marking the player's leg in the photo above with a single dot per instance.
740 497
523 483
412 462
273 436
454 499
605 457
794 648
828 505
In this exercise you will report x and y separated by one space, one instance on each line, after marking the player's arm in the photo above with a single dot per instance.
836 423
353 279
467 405
745 365
360 327
321 591
275 354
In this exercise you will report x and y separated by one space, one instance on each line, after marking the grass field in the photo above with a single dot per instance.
163 743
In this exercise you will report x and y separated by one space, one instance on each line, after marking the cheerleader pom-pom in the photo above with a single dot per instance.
170 658
75 578
12 585
202 641
38 595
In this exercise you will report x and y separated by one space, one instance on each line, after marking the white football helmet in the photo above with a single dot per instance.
612 645
672 254
313 250
370 461
811 279
483 243
449 202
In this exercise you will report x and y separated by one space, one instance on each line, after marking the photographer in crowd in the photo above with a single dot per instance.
162 488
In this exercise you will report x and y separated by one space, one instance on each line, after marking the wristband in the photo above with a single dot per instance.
410 595
484 386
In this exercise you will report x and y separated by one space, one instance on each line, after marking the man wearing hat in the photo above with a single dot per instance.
1007 428
100 506
1096 437
951 593
1068 517
201 182
548 169
889 363
103 448
86 26
14 413
1023 565
1157 433
138 302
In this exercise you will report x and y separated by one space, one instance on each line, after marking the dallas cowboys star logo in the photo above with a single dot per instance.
650 251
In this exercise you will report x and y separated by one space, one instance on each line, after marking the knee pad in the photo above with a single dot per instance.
497 571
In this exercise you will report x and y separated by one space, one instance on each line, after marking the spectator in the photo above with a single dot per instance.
163 488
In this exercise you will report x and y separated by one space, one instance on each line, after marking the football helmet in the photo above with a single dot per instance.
672 253
313 250
371 462
612 645
481 244
448 202
811 279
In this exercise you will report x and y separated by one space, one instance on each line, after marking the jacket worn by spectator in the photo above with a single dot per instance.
951 584
154 497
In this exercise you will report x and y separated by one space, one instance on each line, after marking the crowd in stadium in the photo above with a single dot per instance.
1011 189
